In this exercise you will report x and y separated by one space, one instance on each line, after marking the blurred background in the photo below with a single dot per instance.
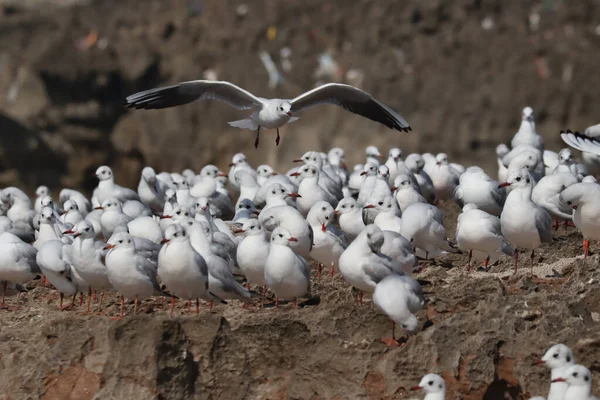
459 71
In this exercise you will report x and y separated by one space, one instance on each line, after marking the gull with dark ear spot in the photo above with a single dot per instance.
328 241
107 188
434 387
524 224
350 217
252 252
268 113
583 199
579 381
558 359
310 191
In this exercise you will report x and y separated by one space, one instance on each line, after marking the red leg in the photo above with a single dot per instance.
172 305
516 259
60 306
532 257
211 306
485 263
391 341
44 280
135 304
565 226
319 271
257 138
555 225
80 299
190 306
122 314
197 306
101 297
332 270
295 305
89 300
277 138
95 295
276 302
586 248
73 300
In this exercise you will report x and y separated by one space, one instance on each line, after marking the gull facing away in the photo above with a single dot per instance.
268 113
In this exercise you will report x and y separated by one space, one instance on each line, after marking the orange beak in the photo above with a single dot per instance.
344 165
68 232
369 206
289 113
232 164
165 216
165 240
298 160
416 388
109 246
295 174
363 173
394 188
223 174
292 239
99 208
505 184
558 380
538 362
273 173
323 227
239 231
296 195
336 212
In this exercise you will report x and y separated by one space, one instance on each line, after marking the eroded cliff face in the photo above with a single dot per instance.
480 331
459 71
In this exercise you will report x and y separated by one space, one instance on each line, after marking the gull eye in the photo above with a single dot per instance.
273 191
518 178
586 378
87 229
323 208
178 213
344 206
186 214
555 355
575 374
175 234
280 235
568 358
368 236
390 206
569 202
380 203
352 206
183 233
527 180
282 190
120 241
430 383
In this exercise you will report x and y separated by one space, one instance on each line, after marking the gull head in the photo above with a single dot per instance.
177 213
265 171
104 173
284 109
395 154
149 175
312 158
112 205
202 204
252 227
520 178
282 236
557 356
502 150
374 236
238 159
431 383
409 324
174 233
441 159
70 205
321 213
85 229
565 156
120 240
579 194
47 215
414 162
576 375
46 201
247 204
402 182
372 152
383 172
309 171
170 194
346 205
528 114
369 169
336 156
42 191
210 170
384 205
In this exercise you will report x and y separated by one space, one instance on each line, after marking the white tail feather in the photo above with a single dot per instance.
244 124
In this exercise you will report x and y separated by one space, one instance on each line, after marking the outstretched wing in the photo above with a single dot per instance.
186 92
581 142
353 100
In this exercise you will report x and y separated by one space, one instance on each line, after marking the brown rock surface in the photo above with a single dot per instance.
480 331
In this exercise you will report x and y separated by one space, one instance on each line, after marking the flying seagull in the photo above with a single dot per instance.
581 141
268 113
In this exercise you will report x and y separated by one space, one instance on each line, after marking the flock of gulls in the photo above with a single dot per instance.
182 235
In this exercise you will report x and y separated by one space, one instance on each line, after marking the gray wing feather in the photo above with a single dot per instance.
353 100
543 223
186 92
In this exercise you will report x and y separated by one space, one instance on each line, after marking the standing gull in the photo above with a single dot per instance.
269 113
583 199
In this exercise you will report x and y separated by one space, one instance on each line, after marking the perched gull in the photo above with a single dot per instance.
558 358
182 269
527 133
350 217
434 386
423 225
546 193
17 261
583 198
579 381
286 273
480 234
524 224
399 297
329 242
252 252
269 113
132 274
